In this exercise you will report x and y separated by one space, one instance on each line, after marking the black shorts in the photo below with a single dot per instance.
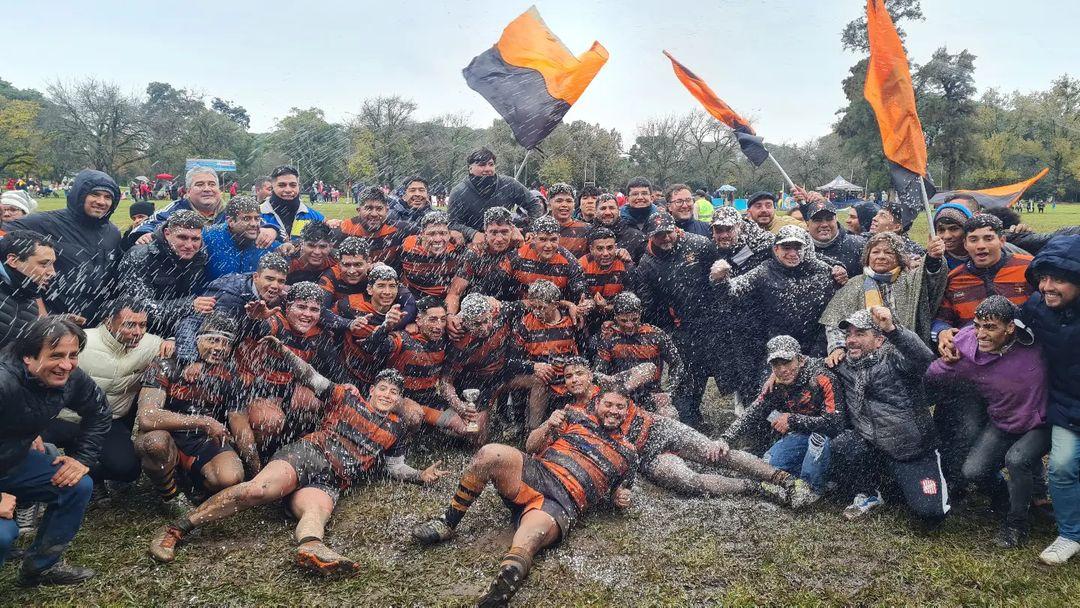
194 450
541 490
312 468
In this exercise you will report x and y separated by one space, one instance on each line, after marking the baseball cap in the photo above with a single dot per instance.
726 216
659 222
782 347
818 207
860 319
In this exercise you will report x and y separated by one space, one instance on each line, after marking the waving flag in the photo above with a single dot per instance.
531 78
890 93
1001 196
750 143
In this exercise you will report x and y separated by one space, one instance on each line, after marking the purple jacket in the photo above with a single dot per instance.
1013 384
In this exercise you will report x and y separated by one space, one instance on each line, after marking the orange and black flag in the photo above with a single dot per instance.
750 143
892 96
1000 196
531 78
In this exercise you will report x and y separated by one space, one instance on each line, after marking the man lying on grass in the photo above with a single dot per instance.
581 461
356 434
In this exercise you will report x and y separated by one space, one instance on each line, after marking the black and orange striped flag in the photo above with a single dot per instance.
750 143
890 93
999 196
531 78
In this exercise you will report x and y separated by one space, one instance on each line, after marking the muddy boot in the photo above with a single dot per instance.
317 557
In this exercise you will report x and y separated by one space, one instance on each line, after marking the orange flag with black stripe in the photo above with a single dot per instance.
531 78
750 143
998 196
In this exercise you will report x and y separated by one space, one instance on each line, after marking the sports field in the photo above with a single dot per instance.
666 551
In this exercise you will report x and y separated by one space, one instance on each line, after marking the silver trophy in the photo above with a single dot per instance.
471 395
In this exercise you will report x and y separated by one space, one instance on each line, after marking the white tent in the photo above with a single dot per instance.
840 185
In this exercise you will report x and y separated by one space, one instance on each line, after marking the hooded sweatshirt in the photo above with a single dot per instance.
469 201
1013 383
86 248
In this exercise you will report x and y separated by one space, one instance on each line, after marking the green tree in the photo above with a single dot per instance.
21 141
305 138
945 90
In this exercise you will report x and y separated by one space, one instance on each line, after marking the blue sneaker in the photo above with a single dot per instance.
862 505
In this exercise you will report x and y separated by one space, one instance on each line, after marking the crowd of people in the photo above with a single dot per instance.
242 353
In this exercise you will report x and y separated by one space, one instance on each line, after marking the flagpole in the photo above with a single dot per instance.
787 178
929 209
522 165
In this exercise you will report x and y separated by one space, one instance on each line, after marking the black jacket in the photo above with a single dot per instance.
814 400
1033 242
164 282
674 285
86 249
27 407
629 238
847 250
18 304
884 396
467 205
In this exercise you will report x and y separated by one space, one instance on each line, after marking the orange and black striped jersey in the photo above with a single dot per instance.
386 242
524 268
419 359
621 352
536 341
360 361
589 461
605 281
574 237
637 427
298 271
426 273
216 391
481 271
968 286
485 357
354 436
316 346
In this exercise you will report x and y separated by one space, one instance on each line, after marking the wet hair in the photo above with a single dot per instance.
434 218
672 189
313 232
560 188
576 361
426 303
306 291
389 375
381 272
997 307
598 233
625 301
185 219
545 224
589 191
371 193
607 196
638 182
23 243
46 331
273 261
479 155
1008 217
890 239
499 216
544 291
984 220
353 245
897 212
244 203
474 305
218 323
284 170
413 178
189 177
130 302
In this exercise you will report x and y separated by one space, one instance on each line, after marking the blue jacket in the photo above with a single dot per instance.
633 222
1058 330
304 214
697 227
226 257
155 221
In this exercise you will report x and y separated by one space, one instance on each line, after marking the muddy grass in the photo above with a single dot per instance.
667 551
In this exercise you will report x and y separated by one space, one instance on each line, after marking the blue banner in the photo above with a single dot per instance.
221 166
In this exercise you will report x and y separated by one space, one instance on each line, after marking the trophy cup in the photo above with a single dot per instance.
471 395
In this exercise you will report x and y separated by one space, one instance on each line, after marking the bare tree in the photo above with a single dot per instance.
97 125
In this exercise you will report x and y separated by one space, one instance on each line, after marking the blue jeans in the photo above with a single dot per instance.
30 482
791 453
1065 481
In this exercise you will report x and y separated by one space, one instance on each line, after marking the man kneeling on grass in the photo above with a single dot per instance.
356 434
581 461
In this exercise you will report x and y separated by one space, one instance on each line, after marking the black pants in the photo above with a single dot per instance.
118 460
1021 454
708 352
920 480
959 418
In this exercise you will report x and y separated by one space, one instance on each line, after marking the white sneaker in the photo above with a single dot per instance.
1059 551
862 505
27 518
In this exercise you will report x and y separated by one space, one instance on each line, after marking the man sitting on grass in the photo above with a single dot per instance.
356 435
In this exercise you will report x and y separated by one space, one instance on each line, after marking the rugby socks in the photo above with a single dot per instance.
166 488
468 490
519 557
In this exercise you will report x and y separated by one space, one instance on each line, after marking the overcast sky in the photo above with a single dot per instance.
778 62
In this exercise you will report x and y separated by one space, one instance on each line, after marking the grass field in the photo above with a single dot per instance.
667 551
